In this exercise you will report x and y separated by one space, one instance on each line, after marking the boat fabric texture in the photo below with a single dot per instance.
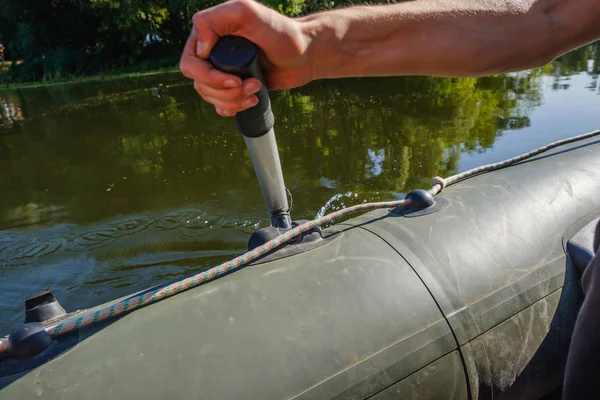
583 362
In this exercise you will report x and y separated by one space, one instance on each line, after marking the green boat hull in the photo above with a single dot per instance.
477 300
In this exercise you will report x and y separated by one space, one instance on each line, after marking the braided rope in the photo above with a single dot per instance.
438 184
204 276
503 164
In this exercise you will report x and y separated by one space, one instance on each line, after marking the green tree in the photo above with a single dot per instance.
60 39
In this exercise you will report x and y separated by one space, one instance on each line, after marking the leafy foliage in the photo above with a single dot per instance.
59 39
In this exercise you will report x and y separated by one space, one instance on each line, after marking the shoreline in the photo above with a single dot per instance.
91 78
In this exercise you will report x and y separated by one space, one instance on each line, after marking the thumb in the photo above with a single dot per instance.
206 38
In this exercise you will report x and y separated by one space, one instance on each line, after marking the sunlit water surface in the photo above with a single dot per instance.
108 188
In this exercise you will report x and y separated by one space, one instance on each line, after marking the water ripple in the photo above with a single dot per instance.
125 234
16 252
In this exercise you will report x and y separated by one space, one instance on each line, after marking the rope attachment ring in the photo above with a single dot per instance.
438 180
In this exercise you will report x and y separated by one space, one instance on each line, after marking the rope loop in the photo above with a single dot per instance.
438 180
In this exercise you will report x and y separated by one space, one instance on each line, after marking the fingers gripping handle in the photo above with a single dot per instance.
239 56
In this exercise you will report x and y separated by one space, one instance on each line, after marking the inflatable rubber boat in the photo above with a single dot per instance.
468 291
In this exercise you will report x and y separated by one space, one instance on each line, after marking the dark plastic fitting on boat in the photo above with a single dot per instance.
239 56
263 235
42 307
281 221
28 340
420 198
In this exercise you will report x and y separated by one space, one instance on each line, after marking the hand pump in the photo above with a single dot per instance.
239 56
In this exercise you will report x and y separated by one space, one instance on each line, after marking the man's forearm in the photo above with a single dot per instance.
440 37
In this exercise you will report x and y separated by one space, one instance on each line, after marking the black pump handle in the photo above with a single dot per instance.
239 56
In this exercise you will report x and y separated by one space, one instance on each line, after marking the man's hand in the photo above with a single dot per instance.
280 39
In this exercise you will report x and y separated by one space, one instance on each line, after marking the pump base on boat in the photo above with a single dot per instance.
308 241
263 235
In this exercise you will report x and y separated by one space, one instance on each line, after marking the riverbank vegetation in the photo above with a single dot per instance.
66 39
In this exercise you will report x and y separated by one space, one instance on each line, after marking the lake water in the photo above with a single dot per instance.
107 188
